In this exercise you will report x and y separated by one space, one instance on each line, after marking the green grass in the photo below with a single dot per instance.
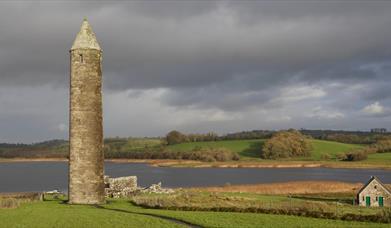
234 220
331 148
379 157
120 213
231 219
251 149
57 214
239 200
245 148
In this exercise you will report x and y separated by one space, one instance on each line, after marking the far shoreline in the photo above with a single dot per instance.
230 164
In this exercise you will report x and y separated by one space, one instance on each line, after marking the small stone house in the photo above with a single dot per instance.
374 194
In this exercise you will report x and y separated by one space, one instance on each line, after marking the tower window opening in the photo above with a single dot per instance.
81 58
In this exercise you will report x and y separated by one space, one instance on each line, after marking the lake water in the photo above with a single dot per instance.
41 176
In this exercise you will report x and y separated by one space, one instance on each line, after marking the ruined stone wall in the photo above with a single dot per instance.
86 185
120 186
374 190
123 187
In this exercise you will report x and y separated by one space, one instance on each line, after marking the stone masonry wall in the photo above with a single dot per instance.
86 185
374 190
123 187
120 186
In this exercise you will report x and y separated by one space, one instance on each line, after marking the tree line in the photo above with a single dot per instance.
352 137
177 137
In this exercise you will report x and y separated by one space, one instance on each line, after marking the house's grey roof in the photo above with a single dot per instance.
378 181
86 38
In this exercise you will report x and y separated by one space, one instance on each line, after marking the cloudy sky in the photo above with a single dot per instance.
200 66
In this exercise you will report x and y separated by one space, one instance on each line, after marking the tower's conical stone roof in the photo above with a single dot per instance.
86 38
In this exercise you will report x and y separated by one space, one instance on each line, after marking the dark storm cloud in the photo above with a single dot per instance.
379 92
174 44
238 58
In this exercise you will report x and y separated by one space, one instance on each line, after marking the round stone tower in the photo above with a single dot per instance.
86 159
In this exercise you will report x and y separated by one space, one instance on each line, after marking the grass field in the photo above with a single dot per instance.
337 204
379 157
245 148
57 214
331 148
121 213
251 149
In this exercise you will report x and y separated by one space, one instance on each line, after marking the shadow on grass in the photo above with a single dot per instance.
253 151
177 221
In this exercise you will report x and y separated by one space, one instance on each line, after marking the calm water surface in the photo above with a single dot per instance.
40 176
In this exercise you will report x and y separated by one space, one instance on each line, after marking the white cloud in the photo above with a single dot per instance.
374 109
297 93
320 113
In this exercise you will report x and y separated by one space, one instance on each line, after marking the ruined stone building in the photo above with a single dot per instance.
86 183
374 194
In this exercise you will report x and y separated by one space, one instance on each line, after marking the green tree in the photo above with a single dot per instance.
175 137
286 144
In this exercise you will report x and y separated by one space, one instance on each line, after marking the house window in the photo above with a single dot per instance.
376 198
81 58
375 186
363 198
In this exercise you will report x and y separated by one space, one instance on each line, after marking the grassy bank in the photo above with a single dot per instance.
324 154
121 213
379 158
251 149
245 148
322 148
382 164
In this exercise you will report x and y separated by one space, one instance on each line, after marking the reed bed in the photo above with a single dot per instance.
286 188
